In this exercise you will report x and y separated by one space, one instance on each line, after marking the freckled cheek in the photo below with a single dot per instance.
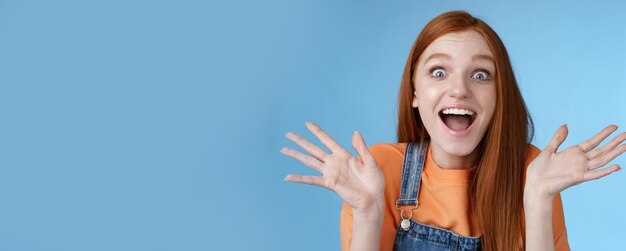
427 98
487 101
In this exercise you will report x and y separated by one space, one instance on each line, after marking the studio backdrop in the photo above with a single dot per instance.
157 125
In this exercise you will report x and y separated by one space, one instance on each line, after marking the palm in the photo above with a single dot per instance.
350 178
357 180
553 172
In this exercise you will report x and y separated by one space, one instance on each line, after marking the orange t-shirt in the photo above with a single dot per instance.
443 197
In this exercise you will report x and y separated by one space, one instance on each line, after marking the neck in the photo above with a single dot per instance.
448 161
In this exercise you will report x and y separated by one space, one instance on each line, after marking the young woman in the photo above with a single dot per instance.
463 175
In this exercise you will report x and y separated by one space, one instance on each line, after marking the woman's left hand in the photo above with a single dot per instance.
552 172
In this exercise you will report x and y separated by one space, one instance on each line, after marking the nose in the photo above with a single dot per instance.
459 88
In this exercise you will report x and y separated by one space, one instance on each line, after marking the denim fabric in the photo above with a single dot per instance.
414 157
421 236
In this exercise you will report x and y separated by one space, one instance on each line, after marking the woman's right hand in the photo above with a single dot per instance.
357 180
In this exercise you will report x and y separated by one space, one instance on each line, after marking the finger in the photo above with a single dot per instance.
305 159
606 158
596 174
557 139
594 141
328 141
361 148
607 147
311 148
309 180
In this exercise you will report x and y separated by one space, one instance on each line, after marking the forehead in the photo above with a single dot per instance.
463 44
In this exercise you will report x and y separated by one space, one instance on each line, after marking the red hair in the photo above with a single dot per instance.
497 187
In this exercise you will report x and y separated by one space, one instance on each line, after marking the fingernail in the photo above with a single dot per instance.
356 132
286 178
565 124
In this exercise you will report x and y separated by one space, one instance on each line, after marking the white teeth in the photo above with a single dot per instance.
456 111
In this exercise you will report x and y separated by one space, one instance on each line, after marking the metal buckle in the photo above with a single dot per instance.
406 222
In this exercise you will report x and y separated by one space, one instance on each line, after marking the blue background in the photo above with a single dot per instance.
156 125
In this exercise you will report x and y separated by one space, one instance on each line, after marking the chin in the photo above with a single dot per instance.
460 149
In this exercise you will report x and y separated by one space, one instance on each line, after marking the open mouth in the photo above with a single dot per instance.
457 119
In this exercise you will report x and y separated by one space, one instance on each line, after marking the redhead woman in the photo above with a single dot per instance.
463 174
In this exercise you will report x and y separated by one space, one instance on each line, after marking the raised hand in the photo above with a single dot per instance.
357 180
552 172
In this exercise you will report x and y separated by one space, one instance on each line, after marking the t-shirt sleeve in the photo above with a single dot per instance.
558 225
345 226
558 217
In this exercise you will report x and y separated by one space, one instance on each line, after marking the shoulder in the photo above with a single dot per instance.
533 150
387 154
531 153
389 157
387 149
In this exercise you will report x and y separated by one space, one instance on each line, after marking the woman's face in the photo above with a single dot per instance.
455 91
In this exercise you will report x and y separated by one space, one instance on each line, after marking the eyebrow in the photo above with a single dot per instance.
448 57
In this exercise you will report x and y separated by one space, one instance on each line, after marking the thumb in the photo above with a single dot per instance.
359 145
557 139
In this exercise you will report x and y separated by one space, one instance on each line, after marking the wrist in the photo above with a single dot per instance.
367 225
375 208
538 221
536 198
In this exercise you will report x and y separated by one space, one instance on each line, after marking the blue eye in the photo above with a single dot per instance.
481 75
438 73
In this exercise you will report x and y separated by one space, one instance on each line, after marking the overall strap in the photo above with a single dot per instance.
414 158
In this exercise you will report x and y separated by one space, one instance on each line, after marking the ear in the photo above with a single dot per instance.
415 103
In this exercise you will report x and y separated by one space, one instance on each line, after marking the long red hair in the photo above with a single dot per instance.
497 187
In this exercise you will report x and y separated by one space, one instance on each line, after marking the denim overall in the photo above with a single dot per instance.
411 234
